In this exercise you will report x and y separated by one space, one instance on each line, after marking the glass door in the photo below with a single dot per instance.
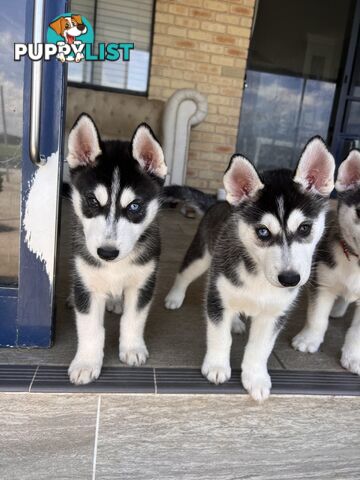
293 70
345 133
31 129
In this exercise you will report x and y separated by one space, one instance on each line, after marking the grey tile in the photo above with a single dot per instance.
228 437
47 436
114 380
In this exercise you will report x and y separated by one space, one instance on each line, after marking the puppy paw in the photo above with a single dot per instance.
216 373
257 384
306 341
351 361
134 357
81 372
174 299
237 325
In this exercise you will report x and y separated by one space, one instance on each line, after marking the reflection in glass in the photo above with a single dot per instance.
12 27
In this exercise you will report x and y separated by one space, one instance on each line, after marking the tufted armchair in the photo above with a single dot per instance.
117 115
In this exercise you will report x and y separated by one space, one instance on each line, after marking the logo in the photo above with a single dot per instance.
70 38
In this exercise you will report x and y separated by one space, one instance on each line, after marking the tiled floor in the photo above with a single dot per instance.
130 437
174 338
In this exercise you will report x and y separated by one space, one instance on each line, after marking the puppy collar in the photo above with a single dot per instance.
347 250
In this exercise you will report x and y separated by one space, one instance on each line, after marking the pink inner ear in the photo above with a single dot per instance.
350 173
241 181
148 155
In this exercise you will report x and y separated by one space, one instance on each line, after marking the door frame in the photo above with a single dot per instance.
27 309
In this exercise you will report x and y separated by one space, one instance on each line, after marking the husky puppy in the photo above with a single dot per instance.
336 278
115 195
259 246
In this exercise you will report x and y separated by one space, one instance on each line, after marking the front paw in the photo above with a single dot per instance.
82 372
216 373
174 299
257 384
307 341
351 360
134 357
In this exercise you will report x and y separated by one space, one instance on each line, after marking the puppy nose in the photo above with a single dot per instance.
107 253
81 27
289 279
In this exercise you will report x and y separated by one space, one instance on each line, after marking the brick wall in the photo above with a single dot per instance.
203 44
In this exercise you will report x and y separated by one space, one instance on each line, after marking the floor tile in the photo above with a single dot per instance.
228 437
47 436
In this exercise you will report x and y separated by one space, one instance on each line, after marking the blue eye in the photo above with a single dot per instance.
263 233
134 207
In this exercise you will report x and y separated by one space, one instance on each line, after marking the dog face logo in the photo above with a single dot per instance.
69 27
70 32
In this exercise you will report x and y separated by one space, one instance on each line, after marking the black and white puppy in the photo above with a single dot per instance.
259 246
116 188
337 274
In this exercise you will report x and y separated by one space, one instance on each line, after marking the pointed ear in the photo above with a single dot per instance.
241 180
84 142
56 25
316 167
147 151
348 176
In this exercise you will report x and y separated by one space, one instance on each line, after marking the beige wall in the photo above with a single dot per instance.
203 44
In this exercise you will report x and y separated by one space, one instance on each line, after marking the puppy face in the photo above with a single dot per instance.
116 187
348 188
282 216
69 27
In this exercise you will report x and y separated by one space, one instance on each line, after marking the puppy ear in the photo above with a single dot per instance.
84 142
56 25
316 167
147 151
241 180
77 18
348 176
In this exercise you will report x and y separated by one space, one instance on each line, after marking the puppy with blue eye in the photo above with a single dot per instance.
258 247
116 189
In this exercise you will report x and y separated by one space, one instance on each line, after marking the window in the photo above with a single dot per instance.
117 21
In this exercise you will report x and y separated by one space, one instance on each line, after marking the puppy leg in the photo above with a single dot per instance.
137 301
254 375
350 358
339 308
196 261
87 363
216 366
312 335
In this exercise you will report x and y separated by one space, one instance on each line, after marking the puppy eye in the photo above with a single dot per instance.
357 212
263 233
91 201
67 25
134 207
304 229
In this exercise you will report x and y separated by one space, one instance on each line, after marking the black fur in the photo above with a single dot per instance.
191 196
146 293
81 295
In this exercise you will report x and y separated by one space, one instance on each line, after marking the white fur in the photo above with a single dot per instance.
101 194
127 196
115 279
148 152
241 180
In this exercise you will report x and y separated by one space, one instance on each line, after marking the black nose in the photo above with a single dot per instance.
289 279
81 27
107 253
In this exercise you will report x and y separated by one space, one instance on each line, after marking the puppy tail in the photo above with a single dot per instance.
192 197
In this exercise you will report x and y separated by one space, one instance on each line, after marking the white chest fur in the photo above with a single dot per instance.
256 296
114 277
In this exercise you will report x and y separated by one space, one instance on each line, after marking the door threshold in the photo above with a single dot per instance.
54 379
